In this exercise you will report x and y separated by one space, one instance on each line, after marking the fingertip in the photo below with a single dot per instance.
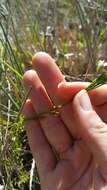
28 109
41 58
29 77
67 90
80 93
64 84
29 74
82 101
64 91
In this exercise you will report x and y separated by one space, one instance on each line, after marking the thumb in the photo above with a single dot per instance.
92 129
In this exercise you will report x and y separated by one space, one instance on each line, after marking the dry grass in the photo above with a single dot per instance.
74 33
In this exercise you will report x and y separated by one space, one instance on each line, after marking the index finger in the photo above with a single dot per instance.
98 96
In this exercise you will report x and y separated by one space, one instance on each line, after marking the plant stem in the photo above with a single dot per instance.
55 111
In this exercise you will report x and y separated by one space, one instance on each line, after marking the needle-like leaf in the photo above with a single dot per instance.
102 79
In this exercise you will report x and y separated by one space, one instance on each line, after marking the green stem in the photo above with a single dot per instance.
55 111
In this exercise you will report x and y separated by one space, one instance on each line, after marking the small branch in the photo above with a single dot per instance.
55 110
31 174
24 101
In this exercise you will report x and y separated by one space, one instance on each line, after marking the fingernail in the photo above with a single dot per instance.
64 84
60 84
84 101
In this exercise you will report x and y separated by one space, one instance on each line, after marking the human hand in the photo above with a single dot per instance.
63 156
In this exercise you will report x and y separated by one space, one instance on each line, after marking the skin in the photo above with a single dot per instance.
70 150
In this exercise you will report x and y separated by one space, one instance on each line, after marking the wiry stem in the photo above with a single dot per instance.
55 111
24 101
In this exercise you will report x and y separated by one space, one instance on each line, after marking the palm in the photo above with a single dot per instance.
63 159
71 173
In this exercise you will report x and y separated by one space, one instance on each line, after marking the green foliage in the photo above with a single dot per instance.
102 79
73 32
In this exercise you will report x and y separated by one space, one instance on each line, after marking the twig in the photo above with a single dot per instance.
8 113
87 39
31 174
55 110
24 101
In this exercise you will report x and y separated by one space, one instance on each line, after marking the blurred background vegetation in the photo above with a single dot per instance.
75 34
